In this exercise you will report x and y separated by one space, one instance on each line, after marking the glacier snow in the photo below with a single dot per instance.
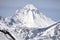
29 23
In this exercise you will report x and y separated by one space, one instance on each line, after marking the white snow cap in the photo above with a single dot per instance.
30 6
31 17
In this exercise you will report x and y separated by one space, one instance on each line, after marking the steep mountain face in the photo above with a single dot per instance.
30 24
57 32
29 17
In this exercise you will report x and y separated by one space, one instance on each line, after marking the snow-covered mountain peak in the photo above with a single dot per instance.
29 24
30 7
31 17
27 8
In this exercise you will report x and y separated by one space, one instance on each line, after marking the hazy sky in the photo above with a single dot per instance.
51 8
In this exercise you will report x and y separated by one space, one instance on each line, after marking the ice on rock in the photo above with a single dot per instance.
32 18
29 24
30 7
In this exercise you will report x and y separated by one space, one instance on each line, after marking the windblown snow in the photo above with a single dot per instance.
29 23
30 17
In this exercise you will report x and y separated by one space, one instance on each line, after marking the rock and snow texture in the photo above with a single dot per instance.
30 24
30 17
2 35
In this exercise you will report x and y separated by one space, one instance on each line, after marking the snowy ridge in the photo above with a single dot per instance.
24 33
30 7
30 17
30 24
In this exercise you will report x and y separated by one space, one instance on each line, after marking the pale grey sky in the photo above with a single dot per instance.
51 8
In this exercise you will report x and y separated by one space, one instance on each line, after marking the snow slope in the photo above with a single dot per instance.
29 23
30 17
25 33
2 27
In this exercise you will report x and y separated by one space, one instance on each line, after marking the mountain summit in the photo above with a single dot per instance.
29 24
30 17
30 7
